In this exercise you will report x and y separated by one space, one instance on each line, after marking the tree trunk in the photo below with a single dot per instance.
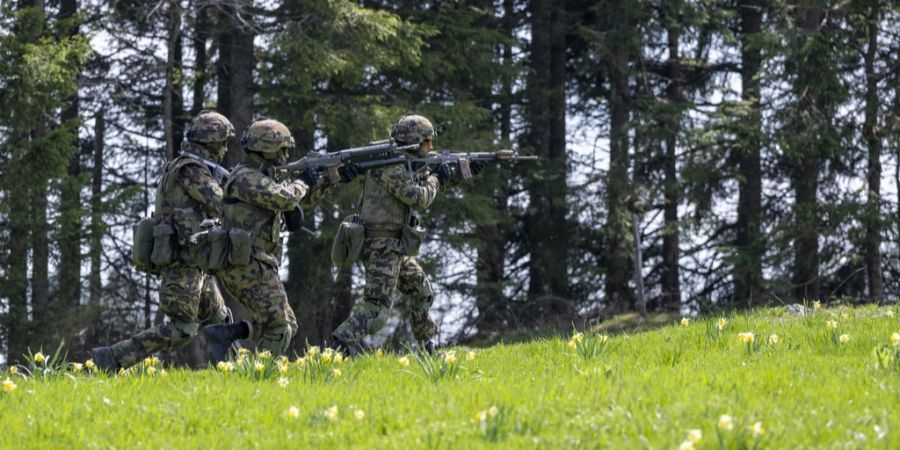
173 101
69 290
873 140
750 243
547 212
671 287
98 228
618 225
201 74
235 75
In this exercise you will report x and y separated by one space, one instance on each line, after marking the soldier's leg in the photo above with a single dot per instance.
418 296
382 266
259 288
212 303
179 299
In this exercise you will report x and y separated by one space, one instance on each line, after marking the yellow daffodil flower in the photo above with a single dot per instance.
243 351
817 305
831 324
359 414
283 382
720 324
331 413
895 340
225 366
450 357
265 354
89 365
379 353
151 370
9 386
337 372
493 411
773 339
293 412
39 358
695 435
746 338
404 361
685 321
470 355
481 416
686 445
259 366
757 430
313 351
726 423
13 370
845 338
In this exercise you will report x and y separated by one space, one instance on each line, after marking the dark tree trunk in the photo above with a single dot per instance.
548 236
618 225
671 287
173 100
202 28
750 243
69 290
873 140
97 226
235 75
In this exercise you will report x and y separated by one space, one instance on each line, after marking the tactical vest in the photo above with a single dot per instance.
379 210
175 205
263 224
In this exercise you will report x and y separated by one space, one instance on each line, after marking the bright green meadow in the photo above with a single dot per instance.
830 379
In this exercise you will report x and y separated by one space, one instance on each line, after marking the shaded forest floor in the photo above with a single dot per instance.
829 379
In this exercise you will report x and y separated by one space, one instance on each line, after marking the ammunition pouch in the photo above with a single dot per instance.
412 235
142 245
163 244
218 248
348 242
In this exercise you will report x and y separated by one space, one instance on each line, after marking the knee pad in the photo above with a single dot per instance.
182 332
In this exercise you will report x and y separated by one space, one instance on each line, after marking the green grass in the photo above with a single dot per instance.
640 390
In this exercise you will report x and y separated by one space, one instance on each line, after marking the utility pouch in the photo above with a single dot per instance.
142 244
163 245
412 235
218 249
200 250
348 242
241 247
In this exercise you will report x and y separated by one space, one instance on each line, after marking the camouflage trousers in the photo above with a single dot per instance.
258 287
190 299
387 270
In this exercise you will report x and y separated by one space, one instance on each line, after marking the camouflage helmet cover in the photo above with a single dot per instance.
412 129
209 127
267 136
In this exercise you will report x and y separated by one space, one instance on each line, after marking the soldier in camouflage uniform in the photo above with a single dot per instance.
255 201
188 194
388 196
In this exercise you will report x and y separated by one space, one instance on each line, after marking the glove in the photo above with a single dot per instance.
443 172
348 173
477 166
310 176
293 220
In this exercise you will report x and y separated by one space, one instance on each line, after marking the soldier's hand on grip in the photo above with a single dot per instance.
293 220
443 172
310 176
348 173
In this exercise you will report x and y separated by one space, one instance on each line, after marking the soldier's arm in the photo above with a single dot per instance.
203 188
315 194
260 190
417 194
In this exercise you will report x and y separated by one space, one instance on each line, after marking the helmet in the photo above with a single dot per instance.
209 127
412 129
267 137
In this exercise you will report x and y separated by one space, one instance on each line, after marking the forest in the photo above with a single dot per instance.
695 155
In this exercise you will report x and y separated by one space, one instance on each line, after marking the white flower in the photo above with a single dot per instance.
726 423
331 413
359 414
685 321
757 430
293 412
283 382
773 339
695 435
845 338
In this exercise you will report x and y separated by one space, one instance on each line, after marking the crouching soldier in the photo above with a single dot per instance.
187 194
256 202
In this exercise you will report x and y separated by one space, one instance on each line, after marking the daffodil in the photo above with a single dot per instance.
817 305
313 351
746 338
726 423
39 358
890 313
379 353
151 370
895 340
293 412
359 414
301 361
337 372
602 338
151 361
845 338
695 435
259 366
757 430
331 413
283 370
685 321
9 386
13 370
338 358
163 373
686 445
225 366
720 324
404 361
265 354
77 367
450 357
481 416
831 324
773 339
89 365
243 351
493 411
470 355
283 382
577 337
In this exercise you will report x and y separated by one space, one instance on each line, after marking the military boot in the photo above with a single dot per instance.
220 337
105 360
345 348
429 347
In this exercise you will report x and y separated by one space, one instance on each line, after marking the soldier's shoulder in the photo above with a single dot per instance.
249 176
392 172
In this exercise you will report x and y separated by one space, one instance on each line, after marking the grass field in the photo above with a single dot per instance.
662 388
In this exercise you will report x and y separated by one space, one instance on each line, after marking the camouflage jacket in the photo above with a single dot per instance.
256 202
187 194
389 194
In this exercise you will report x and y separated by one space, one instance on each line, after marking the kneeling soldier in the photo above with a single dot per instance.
187 194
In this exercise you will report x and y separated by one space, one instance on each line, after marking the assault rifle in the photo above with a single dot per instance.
462 160
376 154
